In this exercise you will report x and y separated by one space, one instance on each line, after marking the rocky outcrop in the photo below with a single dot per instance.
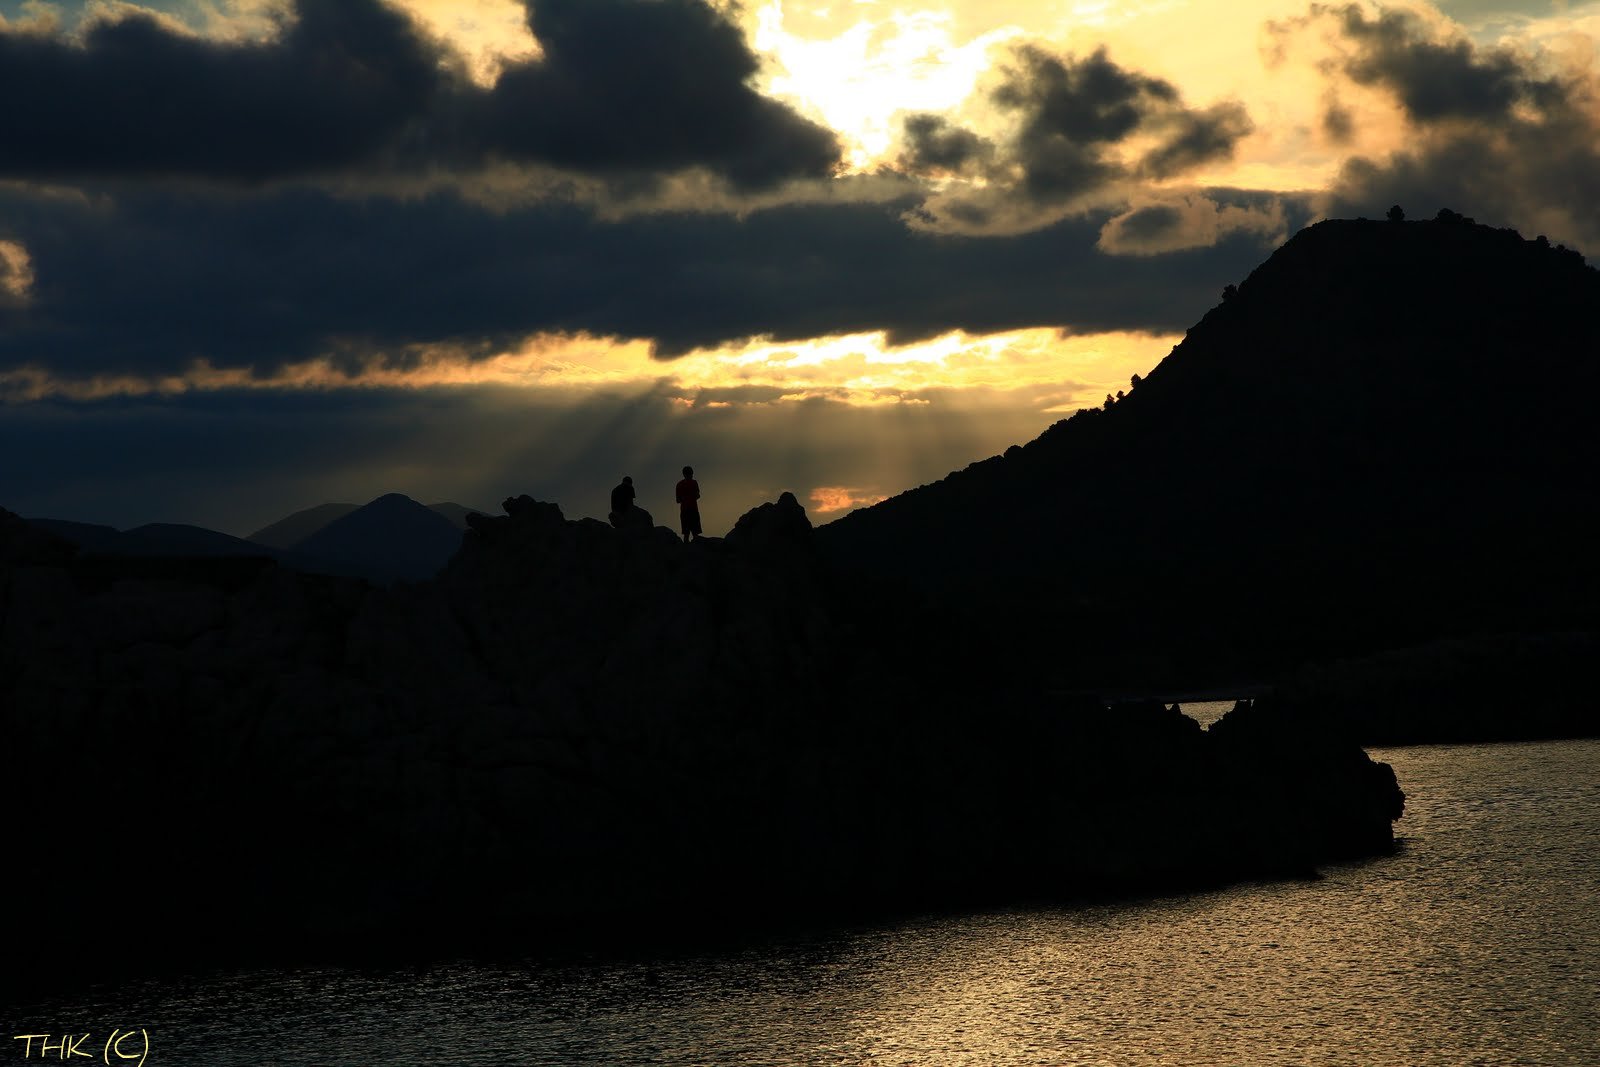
634 520
1491 687
578 728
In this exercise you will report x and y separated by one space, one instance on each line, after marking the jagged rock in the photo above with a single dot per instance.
525 505
635 521
780 526
617 726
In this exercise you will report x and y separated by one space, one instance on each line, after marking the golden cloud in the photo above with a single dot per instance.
831 499
16 273
1038 369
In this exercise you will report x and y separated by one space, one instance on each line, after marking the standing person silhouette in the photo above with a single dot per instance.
688 495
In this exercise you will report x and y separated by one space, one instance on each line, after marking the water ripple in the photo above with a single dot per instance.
1478 944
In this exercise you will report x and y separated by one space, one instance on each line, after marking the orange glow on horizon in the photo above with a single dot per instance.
835 499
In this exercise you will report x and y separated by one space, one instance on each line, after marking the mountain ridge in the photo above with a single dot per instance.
284 541
1331 461
392 536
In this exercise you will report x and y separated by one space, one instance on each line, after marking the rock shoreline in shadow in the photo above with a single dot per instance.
577 729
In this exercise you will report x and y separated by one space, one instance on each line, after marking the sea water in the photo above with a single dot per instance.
1478 943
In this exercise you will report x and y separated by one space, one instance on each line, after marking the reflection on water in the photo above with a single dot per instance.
1479 943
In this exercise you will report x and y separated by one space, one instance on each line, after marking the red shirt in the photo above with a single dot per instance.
688 493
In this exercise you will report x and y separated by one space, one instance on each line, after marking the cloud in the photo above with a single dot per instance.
1192 221
1083 131
149 280
1194 138
1071 111
1338 124
16 274
1434 78
1074 111
1508 136
487 33
621 87
936 145
861 370
832 499
139 96
645 85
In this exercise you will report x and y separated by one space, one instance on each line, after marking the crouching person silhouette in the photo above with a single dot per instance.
621 502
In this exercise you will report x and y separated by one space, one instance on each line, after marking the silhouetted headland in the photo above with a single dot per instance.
1382 439
580 732
1367 477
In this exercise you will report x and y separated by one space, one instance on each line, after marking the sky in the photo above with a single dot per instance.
257 255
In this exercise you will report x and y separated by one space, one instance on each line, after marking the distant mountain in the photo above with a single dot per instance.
152 539
458 513
176 539
393 537
88 536
290 531
1383 436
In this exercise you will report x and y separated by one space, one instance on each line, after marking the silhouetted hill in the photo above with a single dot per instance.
457 513
153 539
577 730
179 539
88 536
288 532
392 537
1383 437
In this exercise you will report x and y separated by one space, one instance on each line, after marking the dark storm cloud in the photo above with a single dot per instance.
1338 125
1072 114
160 279
623 86
934 144
1494 136
1072 110
1151 224
1195 138
1435 79
1196 220
137 96
646 85
1087 101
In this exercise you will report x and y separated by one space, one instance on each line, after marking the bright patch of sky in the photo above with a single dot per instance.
1040 369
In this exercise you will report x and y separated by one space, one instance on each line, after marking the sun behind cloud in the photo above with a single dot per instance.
861 80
